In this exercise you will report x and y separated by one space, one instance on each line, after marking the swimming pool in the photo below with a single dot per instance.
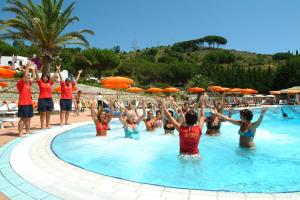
271 167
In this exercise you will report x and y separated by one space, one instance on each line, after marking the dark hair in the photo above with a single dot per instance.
79 92
247 114
191 117
171 112
284 115
99 113
158 112
46 75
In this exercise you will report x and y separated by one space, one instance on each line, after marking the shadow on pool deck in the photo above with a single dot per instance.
10 133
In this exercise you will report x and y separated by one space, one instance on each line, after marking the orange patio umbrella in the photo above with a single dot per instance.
237 90
5 67
116 86
134 89
3 84
249 91
171 89
214 88
223 89
117 80
7 73
196 90
154 90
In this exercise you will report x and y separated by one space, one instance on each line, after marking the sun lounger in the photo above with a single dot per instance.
8 116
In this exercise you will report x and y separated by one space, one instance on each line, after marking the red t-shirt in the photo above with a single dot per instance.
189 139
25 96
66 91
45 89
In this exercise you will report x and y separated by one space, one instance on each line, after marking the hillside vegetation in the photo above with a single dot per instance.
198 62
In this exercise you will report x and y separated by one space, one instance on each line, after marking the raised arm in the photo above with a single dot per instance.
201 110
223 103
261 116
58 71
141 118
177 109
78 75
226 118
93 113
36 73
53 76
121 118
168 115
26 72
111 112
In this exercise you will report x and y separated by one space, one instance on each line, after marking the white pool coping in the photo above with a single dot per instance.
34 161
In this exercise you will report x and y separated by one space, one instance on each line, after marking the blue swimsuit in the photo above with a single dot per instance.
132 133
248 133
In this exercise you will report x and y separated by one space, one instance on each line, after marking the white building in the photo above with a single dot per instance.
13 61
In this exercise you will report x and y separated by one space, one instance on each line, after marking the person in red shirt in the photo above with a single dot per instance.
45 102
189 131
25 108
66 96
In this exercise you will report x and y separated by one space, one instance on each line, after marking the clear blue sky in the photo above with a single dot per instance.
262 26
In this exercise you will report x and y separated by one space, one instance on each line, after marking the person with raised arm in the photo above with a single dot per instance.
131 122
45 101
213 122
102 119
66 96
190 130
25 108
247 128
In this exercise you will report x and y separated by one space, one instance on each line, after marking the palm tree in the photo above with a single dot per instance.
44 25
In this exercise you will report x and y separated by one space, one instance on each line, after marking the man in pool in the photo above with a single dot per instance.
247 128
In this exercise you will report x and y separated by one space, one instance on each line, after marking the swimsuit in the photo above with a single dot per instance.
168 127
132 133
101 127
248 133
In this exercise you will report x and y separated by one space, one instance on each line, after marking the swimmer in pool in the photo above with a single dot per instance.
247 128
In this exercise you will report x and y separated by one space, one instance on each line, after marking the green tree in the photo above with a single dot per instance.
43 25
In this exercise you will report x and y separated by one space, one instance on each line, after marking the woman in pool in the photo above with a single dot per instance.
158 119
102 119
213 123
131 122
247 128
167 124
189 131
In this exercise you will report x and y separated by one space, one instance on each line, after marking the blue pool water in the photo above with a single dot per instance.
271 167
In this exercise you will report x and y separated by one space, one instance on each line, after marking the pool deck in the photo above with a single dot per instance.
30 170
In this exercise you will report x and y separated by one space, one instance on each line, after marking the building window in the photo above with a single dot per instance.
10 63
